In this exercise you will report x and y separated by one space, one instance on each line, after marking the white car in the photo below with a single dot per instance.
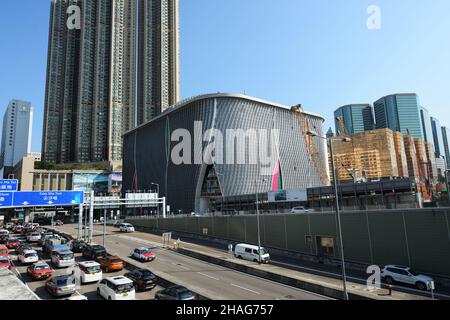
89 271
4 232
126 227
63 258
301 210
34 237
28 257
77 297
406 275
116 288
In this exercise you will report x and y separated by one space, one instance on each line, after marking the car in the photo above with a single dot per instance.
5 263
39 271
126 227
62 258
56 243
23 247
116 288
10 225
4 239
250 252
59 223
4 232
93 252
28 256
406 275
61 286
45 236
143 279
18 229
175 293
89 271
78 246
33 237
301 210
13 243
111 263
143 254
4 252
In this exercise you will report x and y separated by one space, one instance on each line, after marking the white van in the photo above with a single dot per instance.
62 258
116 288
249 252
90 271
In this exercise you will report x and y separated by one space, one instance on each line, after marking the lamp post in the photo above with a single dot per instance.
447 183
257 219
338 213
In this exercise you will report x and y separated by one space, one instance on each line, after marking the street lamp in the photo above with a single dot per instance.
257 218
331 139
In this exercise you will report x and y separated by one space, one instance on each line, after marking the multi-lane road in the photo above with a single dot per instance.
212 281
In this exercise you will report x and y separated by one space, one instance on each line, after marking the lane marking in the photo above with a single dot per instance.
208 276
235 285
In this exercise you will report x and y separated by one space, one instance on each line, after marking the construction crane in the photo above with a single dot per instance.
314 153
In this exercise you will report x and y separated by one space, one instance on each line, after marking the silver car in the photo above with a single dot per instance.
61 286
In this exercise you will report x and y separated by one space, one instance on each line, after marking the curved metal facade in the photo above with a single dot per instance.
147 150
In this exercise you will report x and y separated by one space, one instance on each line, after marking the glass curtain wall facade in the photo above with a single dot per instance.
446 137
437 136
356 118
399 112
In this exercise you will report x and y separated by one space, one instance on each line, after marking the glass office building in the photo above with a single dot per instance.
437 136
356 118
446 137
426 125
400 112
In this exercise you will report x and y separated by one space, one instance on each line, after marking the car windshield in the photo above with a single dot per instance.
185 294
4 260
93 269
42 267
66 256
115 260
3 251
30 255
124 288
145 251
263 251
148 275
62 282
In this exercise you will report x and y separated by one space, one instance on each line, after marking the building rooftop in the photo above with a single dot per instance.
187 101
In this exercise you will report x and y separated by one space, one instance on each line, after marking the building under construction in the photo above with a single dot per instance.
386 155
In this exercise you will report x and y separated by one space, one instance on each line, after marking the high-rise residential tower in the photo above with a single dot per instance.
158 77
355 117
90 89
400 112
16 135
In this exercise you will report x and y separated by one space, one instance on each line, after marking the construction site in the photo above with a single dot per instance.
382 155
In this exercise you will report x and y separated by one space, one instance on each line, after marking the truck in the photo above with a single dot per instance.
60 244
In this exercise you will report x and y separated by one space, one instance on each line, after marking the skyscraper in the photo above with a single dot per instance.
426 125
90 88
16 135
446 138
356 118
158 78
437 136
400 112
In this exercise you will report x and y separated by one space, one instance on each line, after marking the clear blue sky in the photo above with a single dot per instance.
315 52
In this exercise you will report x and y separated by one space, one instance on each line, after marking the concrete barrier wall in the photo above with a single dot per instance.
417 238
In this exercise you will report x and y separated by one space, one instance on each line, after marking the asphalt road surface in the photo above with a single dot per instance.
212 281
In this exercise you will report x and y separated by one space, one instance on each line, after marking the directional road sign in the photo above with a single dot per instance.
6 199
47 198
9 185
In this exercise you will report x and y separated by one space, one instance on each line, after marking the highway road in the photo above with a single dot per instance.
212 281
88 290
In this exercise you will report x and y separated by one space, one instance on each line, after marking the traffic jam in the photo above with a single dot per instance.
57 266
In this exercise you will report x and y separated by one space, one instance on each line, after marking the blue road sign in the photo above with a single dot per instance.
6 199
47 198
9 185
